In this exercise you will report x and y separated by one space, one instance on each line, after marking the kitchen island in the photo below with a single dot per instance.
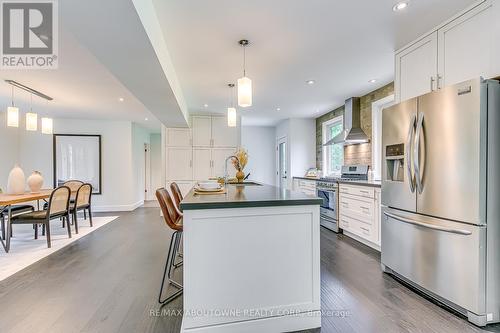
251 260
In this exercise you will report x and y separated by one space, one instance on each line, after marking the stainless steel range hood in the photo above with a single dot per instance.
352 133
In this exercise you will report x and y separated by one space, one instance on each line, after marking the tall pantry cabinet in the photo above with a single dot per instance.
198 153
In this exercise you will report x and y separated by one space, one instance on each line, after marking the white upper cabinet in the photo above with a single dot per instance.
219 155
202 163
416 68
178 137
179 163
202 131
465 46
223 135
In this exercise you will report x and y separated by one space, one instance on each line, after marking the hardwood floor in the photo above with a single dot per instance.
108 282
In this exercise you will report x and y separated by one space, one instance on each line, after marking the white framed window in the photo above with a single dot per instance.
377 108
333 155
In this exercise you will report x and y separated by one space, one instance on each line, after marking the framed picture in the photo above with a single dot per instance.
77 157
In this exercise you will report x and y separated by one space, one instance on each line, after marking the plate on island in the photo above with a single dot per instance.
201 189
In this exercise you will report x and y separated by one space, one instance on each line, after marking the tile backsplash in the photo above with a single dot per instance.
356 154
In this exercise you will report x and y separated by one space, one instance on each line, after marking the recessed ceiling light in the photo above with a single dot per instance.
400 6
372 81
205 105
146 119
278 109
121 99
310 82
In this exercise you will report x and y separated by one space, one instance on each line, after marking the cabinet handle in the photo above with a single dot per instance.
191 163
439 77
432 83
365 208
366 231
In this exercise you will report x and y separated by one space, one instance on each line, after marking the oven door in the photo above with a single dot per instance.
328 207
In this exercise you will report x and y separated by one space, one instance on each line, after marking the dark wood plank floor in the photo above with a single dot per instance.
108 282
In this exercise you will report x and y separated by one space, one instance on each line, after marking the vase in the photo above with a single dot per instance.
35 182
240 175
16 182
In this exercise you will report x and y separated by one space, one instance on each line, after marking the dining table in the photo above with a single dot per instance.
6 202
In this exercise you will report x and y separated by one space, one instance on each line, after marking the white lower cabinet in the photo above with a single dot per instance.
308 187
359 212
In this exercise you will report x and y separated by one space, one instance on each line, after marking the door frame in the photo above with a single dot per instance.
280 140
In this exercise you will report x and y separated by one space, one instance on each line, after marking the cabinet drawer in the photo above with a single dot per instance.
307 184
359 228
361 207
360 191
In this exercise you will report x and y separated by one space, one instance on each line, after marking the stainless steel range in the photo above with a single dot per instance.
327 189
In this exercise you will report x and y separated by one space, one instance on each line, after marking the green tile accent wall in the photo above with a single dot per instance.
357 154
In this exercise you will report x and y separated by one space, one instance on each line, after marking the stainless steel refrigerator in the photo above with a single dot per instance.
441 196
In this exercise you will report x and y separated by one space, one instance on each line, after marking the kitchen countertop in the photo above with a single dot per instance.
370 183
241 196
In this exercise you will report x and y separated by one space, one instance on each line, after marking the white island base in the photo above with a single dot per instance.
251 269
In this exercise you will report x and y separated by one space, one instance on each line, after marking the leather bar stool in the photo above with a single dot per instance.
174 221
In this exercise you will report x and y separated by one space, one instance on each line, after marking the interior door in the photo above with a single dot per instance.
282 164
416 68
223 135
202 163
452 153
398 132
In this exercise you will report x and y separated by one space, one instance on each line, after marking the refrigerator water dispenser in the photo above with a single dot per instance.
395 159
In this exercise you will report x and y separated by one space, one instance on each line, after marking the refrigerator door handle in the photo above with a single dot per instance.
426 225
411 133
416 153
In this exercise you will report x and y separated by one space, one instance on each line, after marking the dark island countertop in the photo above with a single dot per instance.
244 196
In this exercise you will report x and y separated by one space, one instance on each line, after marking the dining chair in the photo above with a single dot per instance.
173 220
177 196
82 202
15 209
58 207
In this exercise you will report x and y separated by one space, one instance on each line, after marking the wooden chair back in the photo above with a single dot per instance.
59 201
83 196
73 185
176 193
170 215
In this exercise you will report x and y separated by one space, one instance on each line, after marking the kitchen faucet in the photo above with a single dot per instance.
225 167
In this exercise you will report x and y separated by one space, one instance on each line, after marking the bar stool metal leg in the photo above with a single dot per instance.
168 270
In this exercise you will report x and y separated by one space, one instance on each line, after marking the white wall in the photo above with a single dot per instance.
122 158
260 143
156 176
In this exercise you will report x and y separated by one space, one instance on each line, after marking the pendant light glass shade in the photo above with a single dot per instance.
31 121
12 116
244 92
231 117
47 126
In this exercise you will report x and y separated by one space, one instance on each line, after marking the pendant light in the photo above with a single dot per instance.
47 123
12 113
231 111
31 118
244 83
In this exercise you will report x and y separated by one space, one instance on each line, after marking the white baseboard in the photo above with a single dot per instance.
118 208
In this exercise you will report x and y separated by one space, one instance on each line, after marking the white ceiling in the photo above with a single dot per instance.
104 54
340 44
